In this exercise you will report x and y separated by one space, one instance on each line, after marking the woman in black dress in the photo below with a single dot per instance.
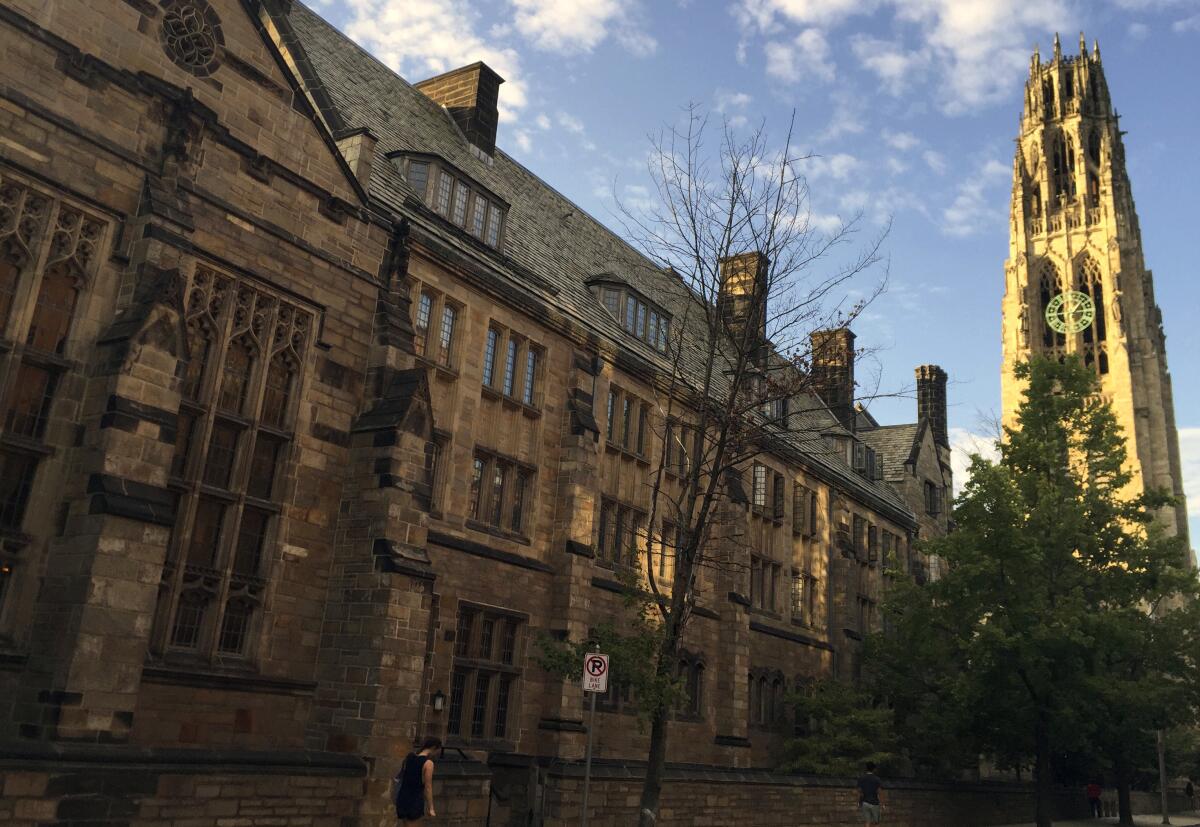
414 783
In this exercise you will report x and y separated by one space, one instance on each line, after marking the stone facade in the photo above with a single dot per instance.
305 442
1074 228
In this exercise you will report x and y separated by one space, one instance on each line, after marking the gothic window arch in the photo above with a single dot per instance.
1049 285
246 347
691 673
1095 336
1062 167
49 250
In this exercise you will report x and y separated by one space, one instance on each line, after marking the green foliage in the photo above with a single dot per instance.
632 641
842 729
1065 622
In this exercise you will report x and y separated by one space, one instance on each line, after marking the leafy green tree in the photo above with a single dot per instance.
1056 576
839 728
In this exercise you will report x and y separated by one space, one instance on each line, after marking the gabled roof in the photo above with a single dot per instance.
546 236
899 444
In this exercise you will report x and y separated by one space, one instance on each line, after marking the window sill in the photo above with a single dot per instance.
12 540
629 453
767 613
531 411
488 744
447 372
209 677
26 445
496 531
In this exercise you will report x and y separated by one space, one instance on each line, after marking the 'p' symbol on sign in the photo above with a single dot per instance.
595 673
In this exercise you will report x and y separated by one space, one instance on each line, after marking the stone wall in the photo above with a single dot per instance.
112 787
714 796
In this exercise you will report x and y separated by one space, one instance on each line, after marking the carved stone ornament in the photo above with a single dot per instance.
191 36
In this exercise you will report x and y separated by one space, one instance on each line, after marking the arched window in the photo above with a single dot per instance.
1094 147
1095 336
1049 286
235 424
1062 167
235 376
54 309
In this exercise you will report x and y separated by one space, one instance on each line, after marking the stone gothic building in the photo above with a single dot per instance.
317 409
1076 280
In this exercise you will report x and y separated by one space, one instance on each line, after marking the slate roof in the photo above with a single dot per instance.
546 236
899 444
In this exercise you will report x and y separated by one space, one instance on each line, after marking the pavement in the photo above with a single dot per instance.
1177 820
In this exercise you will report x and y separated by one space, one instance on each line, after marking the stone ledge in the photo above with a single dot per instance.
218 680
56 757
449 541
794 637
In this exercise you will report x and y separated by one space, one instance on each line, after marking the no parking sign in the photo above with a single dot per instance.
595 673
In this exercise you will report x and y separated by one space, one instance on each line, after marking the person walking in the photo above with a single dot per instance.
414 783
1093 797
1190 792
870 804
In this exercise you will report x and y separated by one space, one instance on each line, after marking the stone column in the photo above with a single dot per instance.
96 603
576 500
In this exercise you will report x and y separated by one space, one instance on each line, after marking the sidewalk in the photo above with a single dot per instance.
1191 819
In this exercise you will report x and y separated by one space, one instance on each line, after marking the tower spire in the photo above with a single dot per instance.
1082 45
1057 47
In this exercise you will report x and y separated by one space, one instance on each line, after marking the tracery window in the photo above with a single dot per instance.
48 253
691 674
1049 286
1095 342
246 347
1062 169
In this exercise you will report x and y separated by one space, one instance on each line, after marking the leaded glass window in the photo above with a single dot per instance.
246 346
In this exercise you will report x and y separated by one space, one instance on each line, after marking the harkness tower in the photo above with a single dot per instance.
1076 279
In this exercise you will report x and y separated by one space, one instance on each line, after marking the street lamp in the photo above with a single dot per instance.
438 701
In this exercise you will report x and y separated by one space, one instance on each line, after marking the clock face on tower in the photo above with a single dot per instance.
1070 312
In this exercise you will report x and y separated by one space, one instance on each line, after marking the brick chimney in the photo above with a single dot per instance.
931 401
742 297
471 95
833 372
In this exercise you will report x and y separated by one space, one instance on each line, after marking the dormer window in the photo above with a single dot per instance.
633 312
455 197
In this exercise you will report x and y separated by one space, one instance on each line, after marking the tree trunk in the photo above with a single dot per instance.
655 764
1044 790
1121 770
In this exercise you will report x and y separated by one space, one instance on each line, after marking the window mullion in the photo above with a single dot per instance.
30 280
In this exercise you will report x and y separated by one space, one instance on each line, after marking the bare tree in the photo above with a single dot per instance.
757 279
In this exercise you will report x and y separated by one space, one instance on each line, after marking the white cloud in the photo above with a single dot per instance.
765 14
837 166
974 208
523 140
895 66
896 166
848 116
901 141
422 39
1138 31
977 47
1187 24
725 100
963 443
1189 454
570 123
808 55
543 121
575 26
934 160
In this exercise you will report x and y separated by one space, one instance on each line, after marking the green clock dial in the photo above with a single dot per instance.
1070 312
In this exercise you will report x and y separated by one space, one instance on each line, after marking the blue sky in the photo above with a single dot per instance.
912 106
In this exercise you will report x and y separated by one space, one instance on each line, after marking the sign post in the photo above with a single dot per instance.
595 682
